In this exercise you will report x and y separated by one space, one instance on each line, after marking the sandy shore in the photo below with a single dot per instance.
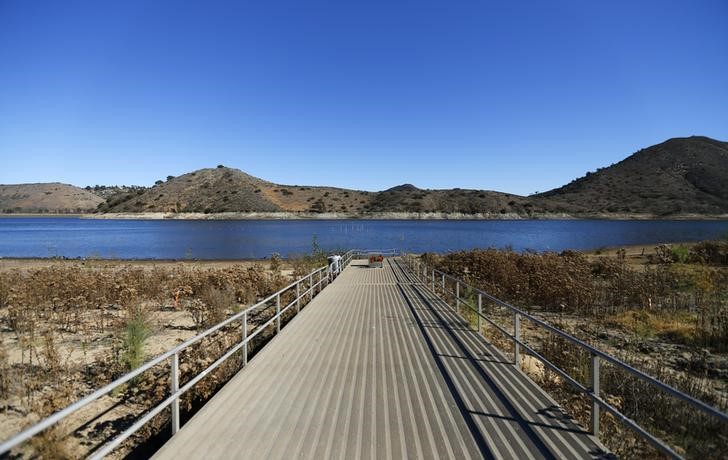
369 216
34 263
317 216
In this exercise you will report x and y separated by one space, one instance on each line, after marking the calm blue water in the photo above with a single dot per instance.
134 239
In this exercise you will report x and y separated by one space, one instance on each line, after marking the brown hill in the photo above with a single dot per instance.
225 189
207 190
411 199
46 198
230 190
678 176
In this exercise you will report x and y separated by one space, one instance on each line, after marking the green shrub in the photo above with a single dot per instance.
680 254
136 332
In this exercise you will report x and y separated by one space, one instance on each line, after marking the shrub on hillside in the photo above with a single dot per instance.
710 252
569 282
553 281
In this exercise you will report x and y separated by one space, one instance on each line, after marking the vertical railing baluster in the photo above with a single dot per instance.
595 392
480 309
433 280
245 338
278 313
174 387
443 285
298 296
457 296
517 338
310 286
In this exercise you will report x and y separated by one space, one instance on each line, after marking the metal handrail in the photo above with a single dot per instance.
427 275
383 252
173 355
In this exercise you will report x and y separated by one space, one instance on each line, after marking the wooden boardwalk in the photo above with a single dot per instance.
377 367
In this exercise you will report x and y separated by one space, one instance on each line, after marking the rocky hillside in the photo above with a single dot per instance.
207 190
109 191
408 198
225 189
46 198
679 176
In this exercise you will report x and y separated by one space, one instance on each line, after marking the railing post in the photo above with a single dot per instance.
310 286
174 386
480 309
595 392
517 337
433 280
298 296
245 339
443 286
278 313
457 296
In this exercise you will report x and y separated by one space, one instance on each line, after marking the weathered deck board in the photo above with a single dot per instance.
378 367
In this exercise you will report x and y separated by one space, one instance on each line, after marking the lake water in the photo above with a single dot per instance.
135 239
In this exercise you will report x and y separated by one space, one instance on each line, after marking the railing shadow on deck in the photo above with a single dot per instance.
417 304
441 285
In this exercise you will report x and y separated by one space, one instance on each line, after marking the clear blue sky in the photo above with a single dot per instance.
511 96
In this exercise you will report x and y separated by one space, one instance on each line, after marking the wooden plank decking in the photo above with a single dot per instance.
377 367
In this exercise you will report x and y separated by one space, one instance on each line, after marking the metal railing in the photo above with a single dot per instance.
368 252
428 275
313 283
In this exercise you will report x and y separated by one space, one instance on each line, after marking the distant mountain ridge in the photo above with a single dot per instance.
681 176
222 189
44 198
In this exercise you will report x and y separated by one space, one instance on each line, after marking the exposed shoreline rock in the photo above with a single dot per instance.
389 216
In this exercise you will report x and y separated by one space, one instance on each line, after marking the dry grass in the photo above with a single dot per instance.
681 327
67 329
670 305
571 282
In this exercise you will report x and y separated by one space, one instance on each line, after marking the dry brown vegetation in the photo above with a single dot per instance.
67 329
668 317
